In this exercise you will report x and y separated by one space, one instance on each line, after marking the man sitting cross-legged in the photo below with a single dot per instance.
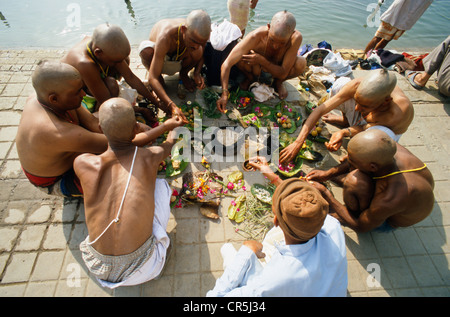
127 208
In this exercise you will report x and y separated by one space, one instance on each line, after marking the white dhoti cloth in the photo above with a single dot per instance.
169 67
348 107
395 137
155 263
354 117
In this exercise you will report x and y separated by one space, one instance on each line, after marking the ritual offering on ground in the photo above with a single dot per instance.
192 111
210 97
262 193
285 117
175 163
241 98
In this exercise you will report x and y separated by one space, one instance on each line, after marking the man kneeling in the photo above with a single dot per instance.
127 208
389 187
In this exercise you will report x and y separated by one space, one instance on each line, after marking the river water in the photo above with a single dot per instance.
342 23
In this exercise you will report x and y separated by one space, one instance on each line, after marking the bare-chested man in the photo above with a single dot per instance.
374 101
127 208
101 59
176 45
389 187
54 129
270 49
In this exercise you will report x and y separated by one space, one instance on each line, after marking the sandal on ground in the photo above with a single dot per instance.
410 75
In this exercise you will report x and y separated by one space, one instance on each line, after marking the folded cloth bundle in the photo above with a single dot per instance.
389 58
337 64
300 209
223 34
262 92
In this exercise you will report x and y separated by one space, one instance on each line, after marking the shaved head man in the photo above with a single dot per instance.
371 102
389 187
127 208
176 46
102 59
269 51
54 129
111 40
283 24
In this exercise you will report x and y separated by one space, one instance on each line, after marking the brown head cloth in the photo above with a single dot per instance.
300 209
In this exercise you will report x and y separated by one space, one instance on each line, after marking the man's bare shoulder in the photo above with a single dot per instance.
77 54
35 117
164 28
297 36
86 159
400 98
258 33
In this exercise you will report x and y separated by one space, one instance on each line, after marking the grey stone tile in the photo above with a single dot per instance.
20 268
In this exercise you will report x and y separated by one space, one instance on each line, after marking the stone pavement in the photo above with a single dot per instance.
39 234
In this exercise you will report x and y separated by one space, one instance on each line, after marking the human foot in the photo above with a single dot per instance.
335 120
281 90
188 83
416 79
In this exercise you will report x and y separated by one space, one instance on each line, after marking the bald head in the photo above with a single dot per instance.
378 85
53 77
198 21
117 119
372 146
283 24
111 39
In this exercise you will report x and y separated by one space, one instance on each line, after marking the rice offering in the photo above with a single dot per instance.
227 136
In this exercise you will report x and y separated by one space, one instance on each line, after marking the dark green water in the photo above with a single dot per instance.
343 23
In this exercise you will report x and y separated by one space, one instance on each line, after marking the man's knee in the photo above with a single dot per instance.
443 79
356 179
360 186
112 85
298 68
146 56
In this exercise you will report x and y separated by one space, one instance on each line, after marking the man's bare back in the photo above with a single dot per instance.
91 71
388 185
406 198
166 30
104 178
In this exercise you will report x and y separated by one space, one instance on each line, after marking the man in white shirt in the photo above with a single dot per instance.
309 261
398 18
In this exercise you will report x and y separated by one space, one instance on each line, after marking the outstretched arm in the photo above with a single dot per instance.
291 151
233 58
148 136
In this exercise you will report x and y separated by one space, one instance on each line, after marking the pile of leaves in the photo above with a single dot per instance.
210 97
257 212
